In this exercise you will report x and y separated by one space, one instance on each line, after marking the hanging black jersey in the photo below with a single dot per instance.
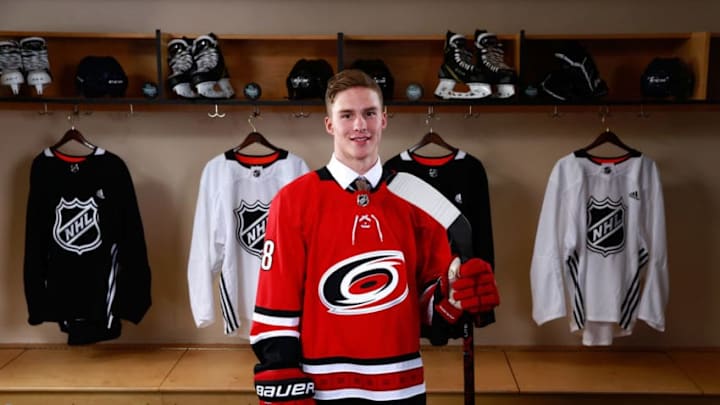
229 231
600 247
85 256
462 179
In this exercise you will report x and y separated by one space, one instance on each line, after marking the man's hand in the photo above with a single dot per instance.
471 289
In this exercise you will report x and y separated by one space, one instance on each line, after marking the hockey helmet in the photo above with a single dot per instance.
667 77
308 79
98 76
378 70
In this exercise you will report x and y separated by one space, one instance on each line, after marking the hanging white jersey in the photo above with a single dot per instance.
229 230
601 243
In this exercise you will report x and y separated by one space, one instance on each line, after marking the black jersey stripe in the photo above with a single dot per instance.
632 299
229 313
578 301
365 362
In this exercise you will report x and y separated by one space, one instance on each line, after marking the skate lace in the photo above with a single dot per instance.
206 59
35 59
181 62
493 58
10 57
463 58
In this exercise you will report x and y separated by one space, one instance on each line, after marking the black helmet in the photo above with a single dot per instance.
667 77
378 70
308 79
98 76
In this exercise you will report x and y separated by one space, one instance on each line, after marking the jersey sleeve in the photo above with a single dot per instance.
37 229
655 294
133 295
206 250
274 333
546 277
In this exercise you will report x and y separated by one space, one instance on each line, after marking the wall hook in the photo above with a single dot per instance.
471 114
555 112
389 115
251 118
216 114
301 114
132 111
642 113
45 110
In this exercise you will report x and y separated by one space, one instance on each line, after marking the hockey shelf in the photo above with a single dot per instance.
267 60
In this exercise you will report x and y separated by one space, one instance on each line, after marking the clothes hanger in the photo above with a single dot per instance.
73 134
255 136
431 137
609 136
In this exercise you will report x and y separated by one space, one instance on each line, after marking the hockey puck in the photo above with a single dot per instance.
414 92
252 91
149 90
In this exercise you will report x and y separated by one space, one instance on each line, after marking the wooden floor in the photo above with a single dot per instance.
103 374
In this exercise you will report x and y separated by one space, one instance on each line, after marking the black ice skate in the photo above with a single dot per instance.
35 63
210 76
491 62
11 65
180 60
458 67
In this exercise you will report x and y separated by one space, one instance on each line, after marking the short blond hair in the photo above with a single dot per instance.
347 79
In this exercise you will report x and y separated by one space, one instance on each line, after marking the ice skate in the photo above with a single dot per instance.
180 60
490 61
35 63
458 67
11 66
210 76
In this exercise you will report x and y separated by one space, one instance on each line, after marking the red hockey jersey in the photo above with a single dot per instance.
343 272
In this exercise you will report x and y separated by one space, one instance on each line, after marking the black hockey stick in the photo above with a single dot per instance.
427 198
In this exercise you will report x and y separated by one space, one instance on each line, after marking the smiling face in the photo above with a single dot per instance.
356 120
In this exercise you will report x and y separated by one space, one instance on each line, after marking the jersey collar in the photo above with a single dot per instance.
345 175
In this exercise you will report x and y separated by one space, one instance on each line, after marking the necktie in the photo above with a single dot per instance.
361 184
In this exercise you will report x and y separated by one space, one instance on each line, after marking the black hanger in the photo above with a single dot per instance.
73 134
609 136
255 137
434 138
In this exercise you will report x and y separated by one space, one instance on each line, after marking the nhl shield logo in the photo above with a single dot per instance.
251 223
606 226
77 227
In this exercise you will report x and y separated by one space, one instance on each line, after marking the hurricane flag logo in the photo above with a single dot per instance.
77 225
366 283
251 224
606 226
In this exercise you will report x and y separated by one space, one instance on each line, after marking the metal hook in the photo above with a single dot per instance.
430 117
642 113
555 113
471 114
301 114
73 116
45 110
132 111
216 114
604 113
389 115
253 115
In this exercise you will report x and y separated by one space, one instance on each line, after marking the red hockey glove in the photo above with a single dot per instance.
288 386
471 289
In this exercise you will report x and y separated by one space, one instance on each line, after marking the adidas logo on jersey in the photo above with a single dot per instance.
635 195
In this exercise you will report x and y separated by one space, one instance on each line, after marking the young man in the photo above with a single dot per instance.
350 272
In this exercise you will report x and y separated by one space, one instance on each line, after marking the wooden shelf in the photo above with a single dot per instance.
268 59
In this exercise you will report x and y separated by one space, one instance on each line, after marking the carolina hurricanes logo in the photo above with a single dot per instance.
77 226
366 283
251 223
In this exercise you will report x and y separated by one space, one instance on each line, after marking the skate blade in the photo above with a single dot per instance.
477 91
184 90
219 89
